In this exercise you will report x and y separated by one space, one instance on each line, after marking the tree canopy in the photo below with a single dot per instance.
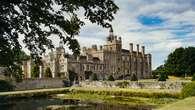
179 62
37 20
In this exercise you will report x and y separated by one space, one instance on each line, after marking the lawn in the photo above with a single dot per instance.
186 104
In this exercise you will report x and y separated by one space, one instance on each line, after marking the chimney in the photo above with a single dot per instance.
143 50
137 48
131 47
101 47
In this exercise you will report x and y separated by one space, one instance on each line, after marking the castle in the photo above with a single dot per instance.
109 59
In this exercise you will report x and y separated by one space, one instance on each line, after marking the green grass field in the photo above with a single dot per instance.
186 104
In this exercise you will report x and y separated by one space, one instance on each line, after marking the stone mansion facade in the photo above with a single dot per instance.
109 59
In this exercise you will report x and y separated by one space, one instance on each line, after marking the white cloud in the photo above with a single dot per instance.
159 40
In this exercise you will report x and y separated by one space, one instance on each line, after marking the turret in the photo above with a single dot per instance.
137 49
131 47
143 50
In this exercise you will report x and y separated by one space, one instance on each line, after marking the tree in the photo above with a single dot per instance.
94 77
48 72
13 61
110 78
180 62
134 77
35 71
37 20
162 77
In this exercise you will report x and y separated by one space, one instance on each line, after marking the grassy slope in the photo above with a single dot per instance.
186 104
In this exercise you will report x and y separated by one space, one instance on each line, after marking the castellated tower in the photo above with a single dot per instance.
113 43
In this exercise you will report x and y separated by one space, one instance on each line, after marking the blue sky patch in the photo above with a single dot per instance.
150 20
181 33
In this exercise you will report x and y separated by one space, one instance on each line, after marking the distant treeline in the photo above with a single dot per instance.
181 62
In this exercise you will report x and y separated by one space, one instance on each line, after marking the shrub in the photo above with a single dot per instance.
35 71
188 90
94 77
5 86
72 76
19 76
193 77
162 77
48 72
134 78
154 75
110 78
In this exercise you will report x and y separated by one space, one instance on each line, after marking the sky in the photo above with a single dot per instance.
159 25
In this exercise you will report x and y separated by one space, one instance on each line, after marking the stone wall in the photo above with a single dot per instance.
40 83
173 85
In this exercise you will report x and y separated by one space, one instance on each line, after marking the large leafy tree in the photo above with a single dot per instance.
36 20
179 62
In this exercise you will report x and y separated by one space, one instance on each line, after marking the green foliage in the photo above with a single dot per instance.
12 60
15 71
162 77
188 90
48 72
110 78
193 77
180 62
154 74
35 71
36 20
94 77
73 76
20 17
5 86
134 77
19 76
